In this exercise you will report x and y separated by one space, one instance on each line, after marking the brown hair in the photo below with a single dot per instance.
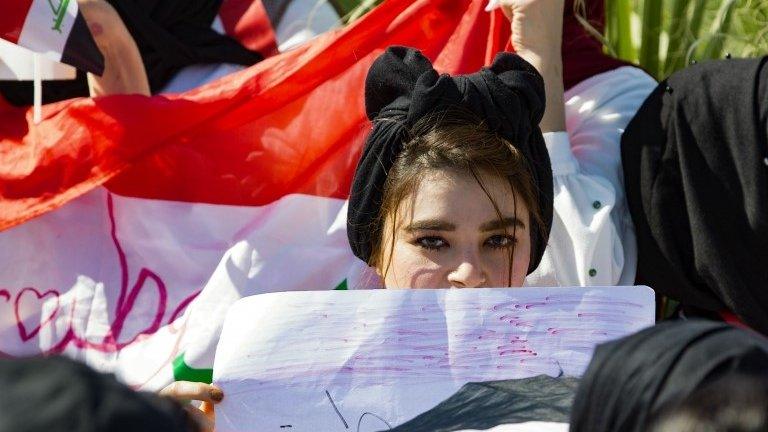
454 139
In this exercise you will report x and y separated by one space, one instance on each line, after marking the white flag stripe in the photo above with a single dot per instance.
46 30
16 63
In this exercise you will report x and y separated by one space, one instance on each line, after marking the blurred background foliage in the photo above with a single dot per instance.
664 35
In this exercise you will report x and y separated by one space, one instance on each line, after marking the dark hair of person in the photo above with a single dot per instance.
454 139
58 394
734 403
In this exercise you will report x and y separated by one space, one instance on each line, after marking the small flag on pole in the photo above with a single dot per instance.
53 28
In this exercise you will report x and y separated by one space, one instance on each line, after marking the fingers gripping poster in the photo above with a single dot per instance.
372 360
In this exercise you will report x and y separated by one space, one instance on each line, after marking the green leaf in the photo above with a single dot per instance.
363 6
619 29
651 36
344 7
719 30
679 37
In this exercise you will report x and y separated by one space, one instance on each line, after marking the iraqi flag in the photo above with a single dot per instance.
130 223
54 28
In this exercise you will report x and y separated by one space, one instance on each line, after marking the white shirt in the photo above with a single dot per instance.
592 241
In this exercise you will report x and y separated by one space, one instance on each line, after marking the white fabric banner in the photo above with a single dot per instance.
140 287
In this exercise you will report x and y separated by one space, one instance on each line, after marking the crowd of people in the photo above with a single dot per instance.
505 178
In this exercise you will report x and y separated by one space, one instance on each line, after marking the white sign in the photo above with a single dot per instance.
371 360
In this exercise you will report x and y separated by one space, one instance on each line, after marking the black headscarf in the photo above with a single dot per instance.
60 395
630 380
402 87
695 170
170 35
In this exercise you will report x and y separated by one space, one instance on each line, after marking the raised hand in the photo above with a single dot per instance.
537 36
537 25
123 68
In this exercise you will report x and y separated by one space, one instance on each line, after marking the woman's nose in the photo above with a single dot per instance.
468 274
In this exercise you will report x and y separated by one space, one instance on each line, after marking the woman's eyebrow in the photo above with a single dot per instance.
499 224
430 225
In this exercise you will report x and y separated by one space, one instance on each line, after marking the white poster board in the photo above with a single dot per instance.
370 360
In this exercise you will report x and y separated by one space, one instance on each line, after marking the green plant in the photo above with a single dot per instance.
665 35
351 10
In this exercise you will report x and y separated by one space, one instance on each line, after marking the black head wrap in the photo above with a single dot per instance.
402 87
695 171
60 395
630 380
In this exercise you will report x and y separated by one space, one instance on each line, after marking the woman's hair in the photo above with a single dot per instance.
454 139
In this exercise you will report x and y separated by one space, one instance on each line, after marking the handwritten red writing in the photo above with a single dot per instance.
112 341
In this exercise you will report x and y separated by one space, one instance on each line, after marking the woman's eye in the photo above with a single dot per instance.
500 241
431 243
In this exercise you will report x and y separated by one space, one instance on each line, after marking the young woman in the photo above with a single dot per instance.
462 177
454 188
454 152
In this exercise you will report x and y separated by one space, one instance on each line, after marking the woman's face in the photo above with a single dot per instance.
448 235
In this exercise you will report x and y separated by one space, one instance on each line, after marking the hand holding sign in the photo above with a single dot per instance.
209 395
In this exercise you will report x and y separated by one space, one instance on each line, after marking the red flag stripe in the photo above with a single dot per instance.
294 123
12 19
305 132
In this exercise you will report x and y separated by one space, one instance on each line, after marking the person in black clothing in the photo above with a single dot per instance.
695 160
737 403
632 381
60 395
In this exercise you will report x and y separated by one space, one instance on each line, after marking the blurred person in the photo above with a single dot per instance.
630 381
182 44
737 403
60 395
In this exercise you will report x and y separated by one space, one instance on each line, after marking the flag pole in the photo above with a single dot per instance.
38 89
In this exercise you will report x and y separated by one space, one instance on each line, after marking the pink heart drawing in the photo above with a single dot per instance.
25 335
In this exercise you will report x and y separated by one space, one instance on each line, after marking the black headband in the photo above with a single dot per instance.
402 87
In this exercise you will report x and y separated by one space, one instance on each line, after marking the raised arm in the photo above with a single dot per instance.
123 68
537 33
